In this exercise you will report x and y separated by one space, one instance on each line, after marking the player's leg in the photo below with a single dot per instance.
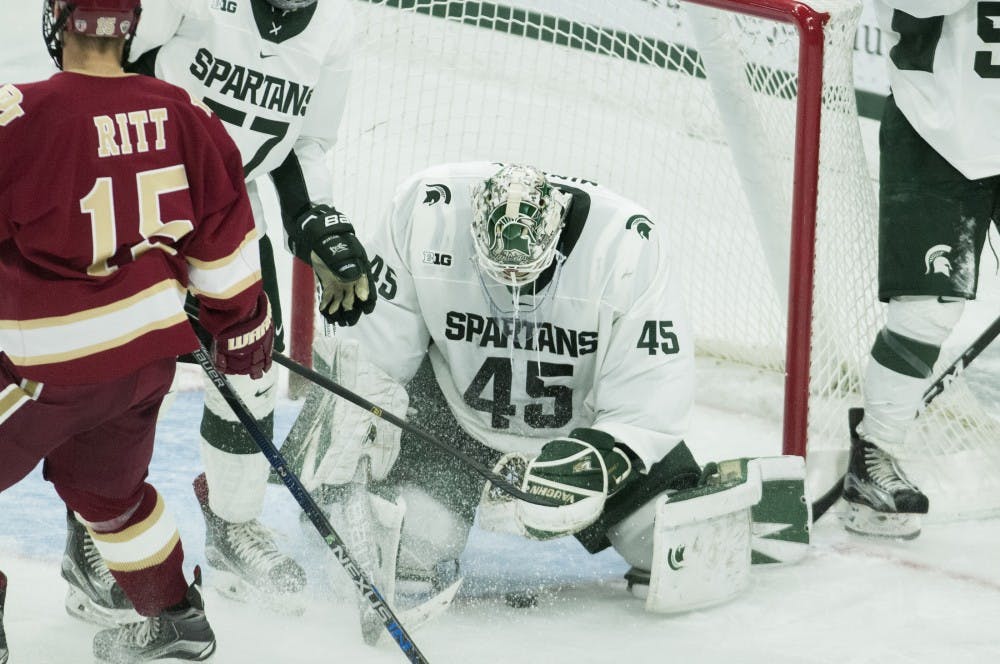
4 652
100 473
247 563
440 497
933 224
26 434
34 420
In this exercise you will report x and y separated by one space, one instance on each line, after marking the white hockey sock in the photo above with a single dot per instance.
236 483
891 403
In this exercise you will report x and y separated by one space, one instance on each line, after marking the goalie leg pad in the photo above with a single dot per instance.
782 518
332 435
699 552
371 527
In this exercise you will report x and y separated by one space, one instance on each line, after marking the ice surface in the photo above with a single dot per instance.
851 601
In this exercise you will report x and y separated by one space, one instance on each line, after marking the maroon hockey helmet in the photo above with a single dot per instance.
94 18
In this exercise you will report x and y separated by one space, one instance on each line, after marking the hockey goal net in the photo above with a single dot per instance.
735 122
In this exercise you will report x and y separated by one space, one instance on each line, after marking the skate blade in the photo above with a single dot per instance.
203 656
236 588
412 618
863 520
80 606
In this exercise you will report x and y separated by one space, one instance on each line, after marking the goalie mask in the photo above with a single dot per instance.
290 5
93 18
517 218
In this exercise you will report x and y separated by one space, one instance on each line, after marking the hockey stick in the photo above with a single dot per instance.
364 585
828 499
341 391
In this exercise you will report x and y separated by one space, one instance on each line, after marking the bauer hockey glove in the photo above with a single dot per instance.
325 239
246 348
577 474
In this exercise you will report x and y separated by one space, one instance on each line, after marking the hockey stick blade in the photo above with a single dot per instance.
311 509
341 391
823 504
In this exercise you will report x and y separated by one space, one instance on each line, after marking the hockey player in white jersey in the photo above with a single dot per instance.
276 73
537 323
939 188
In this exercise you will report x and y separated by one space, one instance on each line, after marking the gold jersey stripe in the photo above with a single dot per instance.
149 561
13 397
86 351
88 314
134 531
232 291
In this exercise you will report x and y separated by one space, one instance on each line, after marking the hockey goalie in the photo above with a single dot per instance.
532 321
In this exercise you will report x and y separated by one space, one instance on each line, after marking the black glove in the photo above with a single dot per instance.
325 239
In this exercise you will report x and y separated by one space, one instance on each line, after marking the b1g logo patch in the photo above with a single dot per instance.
437 258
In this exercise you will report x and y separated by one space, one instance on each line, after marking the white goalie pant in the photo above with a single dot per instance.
696 544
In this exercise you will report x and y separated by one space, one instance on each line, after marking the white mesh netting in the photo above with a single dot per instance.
619 94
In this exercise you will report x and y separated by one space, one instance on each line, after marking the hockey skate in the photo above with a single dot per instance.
247 563
180 633
92 593
4 653
881 500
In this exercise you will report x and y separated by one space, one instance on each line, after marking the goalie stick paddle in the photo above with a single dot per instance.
823 504
341 391
364 585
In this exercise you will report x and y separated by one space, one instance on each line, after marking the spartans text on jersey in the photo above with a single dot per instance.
522 334
250 85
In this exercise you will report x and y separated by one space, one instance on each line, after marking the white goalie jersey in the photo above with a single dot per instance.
603 343
278 80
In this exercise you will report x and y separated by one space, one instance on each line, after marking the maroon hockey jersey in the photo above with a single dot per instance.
117 197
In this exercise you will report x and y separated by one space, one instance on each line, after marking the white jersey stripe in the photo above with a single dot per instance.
141 545
61 338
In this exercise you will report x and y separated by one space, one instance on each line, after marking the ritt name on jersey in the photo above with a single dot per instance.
249 85
522 334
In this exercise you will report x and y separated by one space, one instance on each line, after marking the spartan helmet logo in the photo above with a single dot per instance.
511 233
675 558
936 260
436 193
643 226
517 219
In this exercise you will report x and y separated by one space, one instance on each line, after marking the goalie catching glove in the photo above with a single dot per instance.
325 239
245 349
577 474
